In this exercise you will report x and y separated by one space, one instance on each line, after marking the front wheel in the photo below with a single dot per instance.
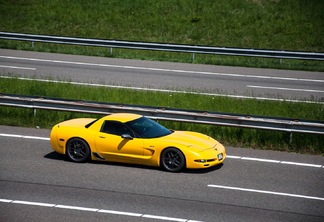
77 150
172 160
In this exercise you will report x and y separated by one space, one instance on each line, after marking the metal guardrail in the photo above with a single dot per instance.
157 113
164 47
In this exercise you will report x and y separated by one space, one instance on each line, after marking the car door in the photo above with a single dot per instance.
112 144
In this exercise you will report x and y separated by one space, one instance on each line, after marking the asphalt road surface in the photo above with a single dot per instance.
216 80
37 184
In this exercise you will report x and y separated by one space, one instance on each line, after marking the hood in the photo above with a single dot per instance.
191 140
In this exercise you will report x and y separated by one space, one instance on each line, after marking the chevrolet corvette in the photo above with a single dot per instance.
132 138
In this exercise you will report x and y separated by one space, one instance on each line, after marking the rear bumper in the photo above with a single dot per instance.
55 143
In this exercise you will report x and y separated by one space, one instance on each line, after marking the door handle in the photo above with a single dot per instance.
102 137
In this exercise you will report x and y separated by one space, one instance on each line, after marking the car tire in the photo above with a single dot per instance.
77 150
172 160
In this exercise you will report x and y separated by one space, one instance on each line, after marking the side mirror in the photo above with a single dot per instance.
127 136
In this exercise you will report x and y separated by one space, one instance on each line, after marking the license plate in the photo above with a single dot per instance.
220 156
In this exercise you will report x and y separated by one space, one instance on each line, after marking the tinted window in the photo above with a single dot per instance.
147 128
115 128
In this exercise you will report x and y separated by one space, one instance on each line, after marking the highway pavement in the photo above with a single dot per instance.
37 184
165 76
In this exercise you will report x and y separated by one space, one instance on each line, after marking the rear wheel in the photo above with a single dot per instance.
172 160
77 150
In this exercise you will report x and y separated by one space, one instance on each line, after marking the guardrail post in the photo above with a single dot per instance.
290 138
111 51
193 57
33 44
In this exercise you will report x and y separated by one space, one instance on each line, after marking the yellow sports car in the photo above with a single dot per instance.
132 138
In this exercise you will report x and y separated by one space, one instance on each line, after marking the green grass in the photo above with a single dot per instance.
228 135
267 24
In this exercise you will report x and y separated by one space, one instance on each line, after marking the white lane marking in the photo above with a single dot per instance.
33 203
5 201
162 90
275 161
24 137
76 208
120 213
17 67
266 192
228 156
301 164
286 89
164 218
261 160
164 70
123 213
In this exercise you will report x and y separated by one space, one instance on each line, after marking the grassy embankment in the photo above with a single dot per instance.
269 24
266 24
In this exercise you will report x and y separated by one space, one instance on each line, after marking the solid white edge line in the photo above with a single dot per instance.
76 208
36 138
194 221
164 218
33 203
260 160
5 201
95 210
120 213
266 192
24 137
233 157
301 164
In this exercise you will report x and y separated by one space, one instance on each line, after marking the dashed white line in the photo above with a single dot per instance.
95 210
228 156
266 192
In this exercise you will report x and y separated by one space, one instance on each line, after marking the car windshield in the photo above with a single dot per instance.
147 128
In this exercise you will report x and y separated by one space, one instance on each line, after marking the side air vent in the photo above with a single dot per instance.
98 156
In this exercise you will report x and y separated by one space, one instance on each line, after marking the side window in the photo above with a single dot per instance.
115 128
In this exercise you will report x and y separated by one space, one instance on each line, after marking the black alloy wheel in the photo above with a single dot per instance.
172 160
77 150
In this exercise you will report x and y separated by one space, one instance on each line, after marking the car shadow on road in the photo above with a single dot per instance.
202 171
56 156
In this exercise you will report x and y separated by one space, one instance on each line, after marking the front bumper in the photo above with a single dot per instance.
205 162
